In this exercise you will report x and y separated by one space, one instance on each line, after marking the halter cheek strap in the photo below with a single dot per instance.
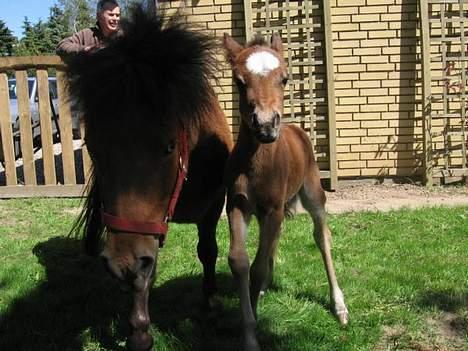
156 229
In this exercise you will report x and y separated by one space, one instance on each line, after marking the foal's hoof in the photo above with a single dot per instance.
139 341
343 317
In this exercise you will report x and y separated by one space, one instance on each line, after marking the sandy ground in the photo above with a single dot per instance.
365 196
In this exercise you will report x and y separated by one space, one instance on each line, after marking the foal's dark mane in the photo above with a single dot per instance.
147 81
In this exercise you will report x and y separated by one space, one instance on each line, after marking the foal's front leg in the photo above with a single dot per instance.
262 268
239 218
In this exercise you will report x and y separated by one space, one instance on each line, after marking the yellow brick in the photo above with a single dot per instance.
345 92
381 99
336 11
346 60
351 164
380 2
381 131
343 148
365 18
374 59
341 52
373 155
351 68
367 51
344 116
349 172
374 108
372 26
345 27
373 75
367 84
380 163
347 76
352 132
382 34
374 124
347 108
348 125
373 9
202 18
352 35
203 10
347 157
366 116
348 141
379 139
365 147
380 67
395 83
347 44
341 19
348 3
220 25
343 85
377 43
352 100
222 2
381 92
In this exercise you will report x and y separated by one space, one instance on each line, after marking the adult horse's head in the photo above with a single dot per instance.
142 97
260 73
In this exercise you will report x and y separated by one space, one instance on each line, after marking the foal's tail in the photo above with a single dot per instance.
89 221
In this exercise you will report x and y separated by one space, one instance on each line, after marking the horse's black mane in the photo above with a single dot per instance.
157 71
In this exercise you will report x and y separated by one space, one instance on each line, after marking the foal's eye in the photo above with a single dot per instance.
284 81
170 147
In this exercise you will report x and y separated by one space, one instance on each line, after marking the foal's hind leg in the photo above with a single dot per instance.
207 249
313 199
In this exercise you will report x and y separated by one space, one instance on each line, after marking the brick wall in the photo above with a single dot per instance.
377 80
378 88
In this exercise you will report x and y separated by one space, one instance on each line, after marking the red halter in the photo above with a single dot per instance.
155 228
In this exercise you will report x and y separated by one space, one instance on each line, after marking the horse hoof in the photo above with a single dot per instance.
343 318
139 341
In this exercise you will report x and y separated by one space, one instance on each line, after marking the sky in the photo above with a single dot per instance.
12 12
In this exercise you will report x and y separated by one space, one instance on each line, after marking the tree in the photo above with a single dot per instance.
77 14
7 40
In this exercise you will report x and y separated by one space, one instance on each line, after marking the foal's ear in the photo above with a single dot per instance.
233 48
277 44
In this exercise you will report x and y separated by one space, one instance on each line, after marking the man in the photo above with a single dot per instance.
108 17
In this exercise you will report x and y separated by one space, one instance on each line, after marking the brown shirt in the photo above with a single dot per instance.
78 41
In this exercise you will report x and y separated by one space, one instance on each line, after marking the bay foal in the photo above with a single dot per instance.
270 167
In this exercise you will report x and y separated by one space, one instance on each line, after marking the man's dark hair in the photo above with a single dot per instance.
102 3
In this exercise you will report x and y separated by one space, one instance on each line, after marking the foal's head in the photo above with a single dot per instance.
260 73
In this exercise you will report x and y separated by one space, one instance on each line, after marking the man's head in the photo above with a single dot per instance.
108 16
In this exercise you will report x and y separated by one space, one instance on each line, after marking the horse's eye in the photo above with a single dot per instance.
170 147
284 81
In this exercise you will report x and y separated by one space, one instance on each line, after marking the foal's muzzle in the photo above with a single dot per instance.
266 132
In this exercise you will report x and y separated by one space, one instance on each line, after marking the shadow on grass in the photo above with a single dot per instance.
77 303
447 301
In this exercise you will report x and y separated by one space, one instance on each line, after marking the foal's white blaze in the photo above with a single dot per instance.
262 63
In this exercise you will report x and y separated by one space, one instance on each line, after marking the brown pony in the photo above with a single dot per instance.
158 142
270 167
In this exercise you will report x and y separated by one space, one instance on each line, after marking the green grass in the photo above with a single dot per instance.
404 275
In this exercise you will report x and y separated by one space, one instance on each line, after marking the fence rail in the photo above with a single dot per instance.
38 151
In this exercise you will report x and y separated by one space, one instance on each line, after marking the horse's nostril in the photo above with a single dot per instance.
146 264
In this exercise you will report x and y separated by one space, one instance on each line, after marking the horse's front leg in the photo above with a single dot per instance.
207 249
239 217
261 272
140 339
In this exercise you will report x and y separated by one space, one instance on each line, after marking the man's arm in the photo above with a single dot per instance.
84 40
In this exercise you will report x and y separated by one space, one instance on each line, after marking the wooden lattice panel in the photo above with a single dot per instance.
448 52
301 26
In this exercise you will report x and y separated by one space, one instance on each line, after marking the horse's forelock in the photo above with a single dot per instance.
157 72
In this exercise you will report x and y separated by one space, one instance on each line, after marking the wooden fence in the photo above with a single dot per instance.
38 156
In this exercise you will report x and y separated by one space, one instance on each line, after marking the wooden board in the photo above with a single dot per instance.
7 132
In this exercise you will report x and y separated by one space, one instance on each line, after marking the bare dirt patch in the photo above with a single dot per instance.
365 196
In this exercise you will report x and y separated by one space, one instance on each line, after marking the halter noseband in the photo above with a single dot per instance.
157 229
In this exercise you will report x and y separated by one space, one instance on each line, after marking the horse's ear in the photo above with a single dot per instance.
233 48
277 44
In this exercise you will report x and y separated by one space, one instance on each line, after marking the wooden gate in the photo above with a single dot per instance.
445 77
305 27
38 154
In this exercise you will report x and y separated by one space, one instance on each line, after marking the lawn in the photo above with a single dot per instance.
404 275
